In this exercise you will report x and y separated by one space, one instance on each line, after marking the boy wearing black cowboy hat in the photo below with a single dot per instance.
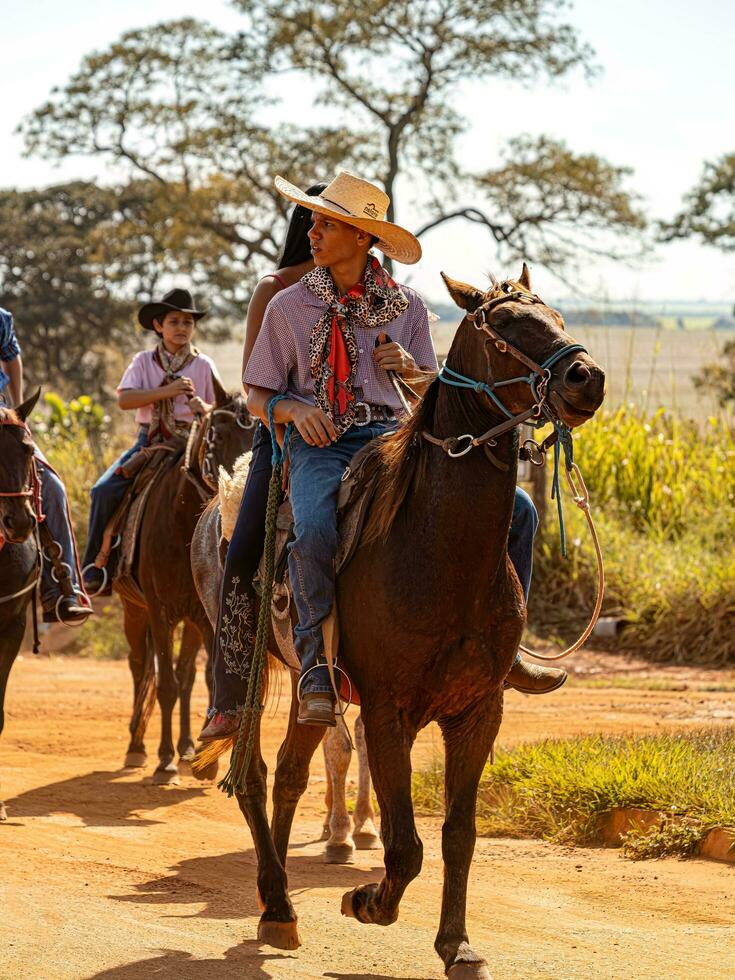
166 386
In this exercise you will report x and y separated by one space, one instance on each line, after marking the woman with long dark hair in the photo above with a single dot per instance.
235 629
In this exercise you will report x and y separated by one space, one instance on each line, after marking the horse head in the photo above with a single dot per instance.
18 481
517 349
226 433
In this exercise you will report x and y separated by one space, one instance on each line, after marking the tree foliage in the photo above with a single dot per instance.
719 378
181 112
548 205
69 320
709 208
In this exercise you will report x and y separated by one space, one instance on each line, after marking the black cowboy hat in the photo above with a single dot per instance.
177 299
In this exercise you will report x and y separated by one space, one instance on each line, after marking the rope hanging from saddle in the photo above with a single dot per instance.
235 778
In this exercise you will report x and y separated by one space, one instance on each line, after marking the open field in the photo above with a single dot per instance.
650 367
108 877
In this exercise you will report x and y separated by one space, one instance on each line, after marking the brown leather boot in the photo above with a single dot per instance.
530 678
221 726
317 708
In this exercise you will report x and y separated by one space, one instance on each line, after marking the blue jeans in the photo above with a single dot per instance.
315 476
231 656
523 527
58 522
106 494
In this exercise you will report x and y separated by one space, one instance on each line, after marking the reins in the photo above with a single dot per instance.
33 492
537 415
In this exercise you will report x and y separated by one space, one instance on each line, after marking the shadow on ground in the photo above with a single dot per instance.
226 883
100 799
244 962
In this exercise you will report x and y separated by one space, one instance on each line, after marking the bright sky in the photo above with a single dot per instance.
662 106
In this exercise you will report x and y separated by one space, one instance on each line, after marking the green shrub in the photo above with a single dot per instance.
557 789
662 495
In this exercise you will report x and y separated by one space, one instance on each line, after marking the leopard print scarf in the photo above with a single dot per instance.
333 352
163 422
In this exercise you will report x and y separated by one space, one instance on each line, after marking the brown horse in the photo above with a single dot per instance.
162 570
431 608
19 567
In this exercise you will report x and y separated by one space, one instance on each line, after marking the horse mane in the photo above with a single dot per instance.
397 461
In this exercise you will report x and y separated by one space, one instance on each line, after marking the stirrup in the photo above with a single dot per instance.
340 700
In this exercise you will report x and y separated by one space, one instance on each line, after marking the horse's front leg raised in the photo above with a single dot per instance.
167 691
364 834
389 752
468 740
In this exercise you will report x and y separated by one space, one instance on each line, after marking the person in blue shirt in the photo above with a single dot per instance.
72 610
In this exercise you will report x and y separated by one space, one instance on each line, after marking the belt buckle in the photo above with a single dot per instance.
368 415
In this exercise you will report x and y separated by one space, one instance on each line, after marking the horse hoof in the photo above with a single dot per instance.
339 854
282 935
135 760
469 971
367 842
166 776
185 767
3 812
347 908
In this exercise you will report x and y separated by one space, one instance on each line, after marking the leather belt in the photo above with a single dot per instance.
366 414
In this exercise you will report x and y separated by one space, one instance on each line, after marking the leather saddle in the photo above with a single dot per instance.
145 468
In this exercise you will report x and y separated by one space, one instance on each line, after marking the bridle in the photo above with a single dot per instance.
32 491
206 480
539 414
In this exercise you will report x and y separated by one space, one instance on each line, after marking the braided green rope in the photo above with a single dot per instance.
235 778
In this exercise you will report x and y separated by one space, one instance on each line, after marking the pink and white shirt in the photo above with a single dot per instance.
280 357
145 372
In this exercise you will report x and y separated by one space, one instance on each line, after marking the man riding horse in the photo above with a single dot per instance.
319 356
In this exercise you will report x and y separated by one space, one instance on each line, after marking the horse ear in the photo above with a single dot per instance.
220 395
525 278
25 408
466 297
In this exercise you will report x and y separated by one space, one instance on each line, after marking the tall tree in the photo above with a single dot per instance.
708 213
174 107
72 327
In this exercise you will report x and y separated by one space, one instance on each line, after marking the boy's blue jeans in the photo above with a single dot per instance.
106 494
315 477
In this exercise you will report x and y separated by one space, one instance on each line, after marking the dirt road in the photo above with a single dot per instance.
103 875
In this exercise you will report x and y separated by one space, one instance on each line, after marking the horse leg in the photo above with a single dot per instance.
292 774
468 739
186 668
278 922
389 751
364 834
327 794
9 647
167 691
340 847
142 669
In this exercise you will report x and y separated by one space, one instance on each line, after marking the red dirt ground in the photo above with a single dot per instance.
103 875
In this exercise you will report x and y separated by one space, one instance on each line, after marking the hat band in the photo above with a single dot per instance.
349 214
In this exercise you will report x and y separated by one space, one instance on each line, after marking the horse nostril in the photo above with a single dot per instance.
577 374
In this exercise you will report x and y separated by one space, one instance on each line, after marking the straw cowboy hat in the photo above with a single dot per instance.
177 299
362 205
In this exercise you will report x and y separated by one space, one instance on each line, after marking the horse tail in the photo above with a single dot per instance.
145 700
